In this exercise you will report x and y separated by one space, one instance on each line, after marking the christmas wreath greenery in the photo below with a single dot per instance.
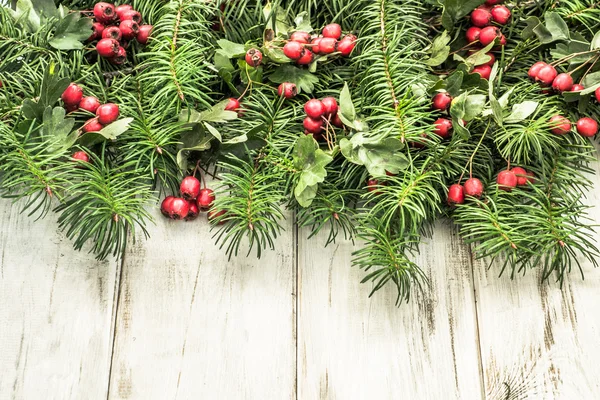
368 118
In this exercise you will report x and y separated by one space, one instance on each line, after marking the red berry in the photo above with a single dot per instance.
189 188
372 186
492 2
530 176
456 194
345 46
129 29
214 215
507 180
337 121
121 9
205 199
287 90
501 41
577 87
481 17
500 14
108 48
473 187
327 45
293 50
112 32
92 125
307 58
131 15
587 127
300 37
193 211
333 31
562 83
167 205
443 126
473 34
104 12
97 29
441 101
560 125
484 70
232 105
314 108
492 59
72 95
535 69
521 175
597 93
144 33
488 35
546 75
313 125
120 58
331 106
81 156
107 113
254 57
315 45
179 208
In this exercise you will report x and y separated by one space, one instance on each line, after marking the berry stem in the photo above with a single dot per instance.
589 69
470 162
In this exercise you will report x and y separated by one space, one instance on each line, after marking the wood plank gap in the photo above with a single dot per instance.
297 296
115 313
477 328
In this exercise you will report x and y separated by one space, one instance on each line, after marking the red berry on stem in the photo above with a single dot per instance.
488 35
144 33
331 106
441 101
89 104
492 2
315 45
530 176
314 108
307 57
507 180
129 29
456 194
97 29
373 186
500 14
72 95
107 113
562 83
546 75
481 17
587 127
521 175
473 34
473 187
287 90
535 69
92 125
327 45
333 31
120 58
108 48
122 9
484 70
232 105
189 188
166 206
205 199
300 37
254 57
313 125
193 211
179 208
597 93
293 50
345 46
112 32
131 15
443 126
337 121
81 156
560 125
577 87
104 12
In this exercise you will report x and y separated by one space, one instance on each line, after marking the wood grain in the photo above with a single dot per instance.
352 347
55 313
538 341
192 324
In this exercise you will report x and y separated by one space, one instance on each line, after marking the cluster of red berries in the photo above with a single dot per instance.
115 28
443 126
193 200
106 114
483 32
302 47
320 114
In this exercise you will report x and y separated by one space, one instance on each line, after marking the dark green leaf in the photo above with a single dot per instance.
439 50
71 31
302 22
521 111
304 80
230 49
457 9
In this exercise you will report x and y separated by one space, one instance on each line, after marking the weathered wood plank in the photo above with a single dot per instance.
538 342
352 347
193 325
55 313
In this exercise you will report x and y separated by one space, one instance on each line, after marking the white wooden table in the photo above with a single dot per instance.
177 320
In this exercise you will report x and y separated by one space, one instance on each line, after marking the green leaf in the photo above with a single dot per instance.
377 155
302 22
457 108
32 110
216 113
479 57
455 10
496 109
555 29
347 110
213 131
439 50
454 83
591 80
276 19
52 87
595 41
304 80
532 23
311 161
521 111
230 49
195 139
71 31
109 132
33 13
276 55
460 130
223 63
57 130
474 105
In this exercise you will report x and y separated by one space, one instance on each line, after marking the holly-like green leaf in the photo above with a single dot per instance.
532 23
304 80
276 19
460 130
595 41
33 13
213 131
196 139
454 83
555 29
474 105
479 57
521 111
276 55
591 80
71 31
302 22
457 9
496 110
58 130
248 73
216 113
347 111
439 50
109 132
376 154
311 161
230 49
457 107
